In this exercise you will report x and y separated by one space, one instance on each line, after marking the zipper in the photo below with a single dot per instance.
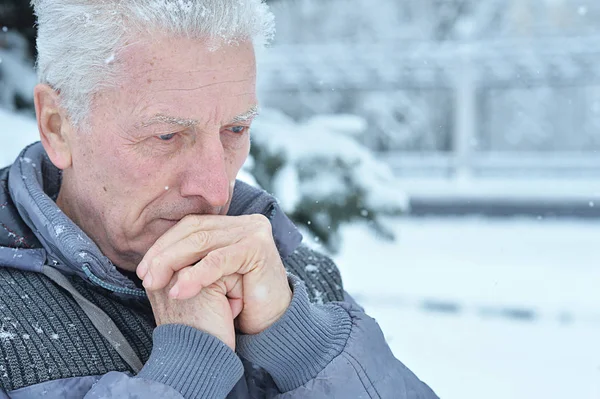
120 290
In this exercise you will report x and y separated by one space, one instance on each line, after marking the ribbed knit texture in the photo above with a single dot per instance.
321 275
298 346
196 364
44 334
133 316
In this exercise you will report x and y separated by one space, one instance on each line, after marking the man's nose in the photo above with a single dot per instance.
206 174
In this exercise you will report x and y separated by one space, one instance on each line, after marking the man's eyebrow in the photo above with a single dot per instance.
173 120
246 116
170 120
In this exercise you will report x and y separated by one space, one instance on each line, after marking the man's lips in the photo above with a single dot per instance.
177 217
173 220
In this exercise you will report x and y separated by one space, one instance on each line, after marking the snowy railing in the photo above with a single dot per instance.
468 106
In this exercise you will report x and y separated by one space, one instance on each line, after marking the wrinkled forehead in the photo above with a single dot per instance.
165 56
183 77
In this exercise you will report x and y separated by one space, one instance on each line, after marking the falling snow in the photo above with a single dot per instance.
37 328
318 297
59 229
311 268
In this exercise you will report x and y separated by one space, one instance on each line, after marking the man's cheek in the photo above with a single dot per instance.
237 160
136 173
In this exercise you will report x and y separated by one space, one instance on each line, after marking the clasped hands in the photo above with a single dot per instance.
217 274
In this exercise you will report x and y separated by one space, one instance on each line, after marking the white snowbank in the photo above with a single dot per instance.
478 268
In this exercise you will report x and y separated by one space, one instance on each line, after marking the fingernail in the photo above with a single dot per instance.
148 281
174 292
142 269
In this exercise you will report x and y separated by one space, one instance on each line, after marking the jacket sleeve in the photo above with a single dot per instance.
330 351
184 363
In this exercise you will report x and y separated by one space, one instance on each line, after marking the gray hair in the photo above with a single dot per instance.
78 39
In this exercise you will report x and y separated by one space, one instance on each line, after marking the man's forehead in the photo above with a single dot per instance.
188 85
160 54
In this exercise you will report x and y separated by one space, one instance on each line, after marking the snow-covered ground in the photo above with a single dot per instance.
483 308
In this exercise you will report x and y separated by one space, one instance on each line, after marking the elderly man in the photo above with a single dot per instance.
132 263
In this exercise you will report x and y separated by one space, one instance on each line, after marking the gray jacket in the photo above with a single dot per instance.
316 350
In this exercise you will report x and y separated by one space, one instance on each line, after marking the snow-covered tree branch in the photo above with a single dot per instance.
321 175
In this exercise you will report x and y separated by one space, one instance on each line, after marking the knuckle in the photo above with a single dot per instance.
185 280
220 284
185 276
265 235
154 262
260 220
200 239
262 225
154 251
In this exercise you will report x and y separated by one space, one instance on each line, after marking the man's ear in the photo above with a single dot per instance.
53 125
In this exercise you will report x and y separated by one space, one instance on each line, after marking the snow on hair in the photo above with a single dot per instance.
78 39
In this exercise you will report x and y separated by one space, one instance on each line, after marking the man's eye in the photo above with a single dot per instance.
167 137
238 129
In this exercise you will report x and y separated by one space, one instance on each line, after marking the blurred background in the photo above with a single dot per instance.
447 154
